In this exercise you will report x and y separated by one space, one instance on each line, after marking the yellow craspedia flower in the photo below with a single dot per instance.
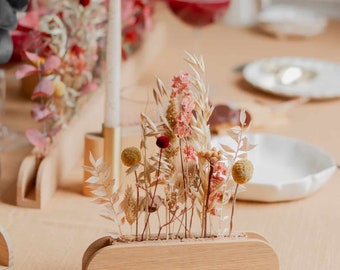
59 88
131 156
242 171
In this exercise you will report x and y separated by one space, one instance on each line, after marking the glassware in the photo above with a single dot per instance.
199 13
9 140
137 99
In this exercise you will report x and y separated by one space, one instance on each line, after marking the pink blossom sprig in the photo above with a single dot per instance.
43 111
180 84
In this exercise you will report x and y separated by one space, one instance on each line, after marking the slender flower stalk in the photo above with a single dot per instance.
207 201
162 142
242 172
184 189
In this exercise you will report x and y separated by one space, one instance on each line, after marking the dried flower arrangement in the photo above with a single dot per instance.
64 49
187 180
63 58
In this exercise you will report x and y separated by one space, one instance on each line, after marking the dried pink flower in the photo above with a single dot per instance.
189 153
182 130
188 104
220 168
180 83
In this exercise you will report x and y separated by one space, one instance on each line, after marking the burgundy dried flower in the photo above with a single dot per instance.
84 3
163 142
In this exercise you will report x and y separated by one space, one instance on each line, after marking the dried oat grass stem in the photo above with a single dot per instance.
184 188
207 201
154 193
232 211
115 213
166 225
137 202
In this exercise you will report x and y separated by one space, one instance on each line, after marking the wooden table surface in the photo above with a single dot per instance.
304 233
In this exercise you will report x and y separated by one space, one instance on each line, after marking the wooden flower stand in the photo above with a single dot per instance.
6 255
242 253
38 179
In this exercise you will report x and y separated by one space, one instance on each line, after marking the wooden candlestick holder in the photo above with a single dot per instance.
94 144
112 149
6 254
252 252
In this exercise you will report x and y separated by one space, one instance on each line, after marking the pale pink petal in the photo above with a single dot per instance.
147 17
89 87
41 115
36 138
44 88
51 63
34 58
24 71
30 20
127 9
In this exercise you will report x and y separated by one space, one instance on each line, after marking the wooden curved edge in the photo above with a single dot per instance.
255 235
93 249
6 255
253 252
27 181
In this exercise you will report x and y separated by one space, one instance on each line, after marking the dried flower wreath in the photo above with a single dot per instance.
187 180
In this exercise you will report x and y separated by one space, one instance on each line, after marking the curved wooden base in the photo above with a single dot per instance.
249 253
37 182
27 182
6 255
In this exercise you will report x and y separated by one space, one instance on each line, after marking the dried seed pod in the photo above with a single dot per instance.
131 156
242 171
163 142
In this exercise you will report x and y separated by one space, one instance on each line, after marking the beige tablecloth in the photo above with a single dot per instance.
304 233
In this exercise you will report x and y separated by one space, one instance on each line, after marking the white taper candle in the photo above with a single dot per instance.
113 65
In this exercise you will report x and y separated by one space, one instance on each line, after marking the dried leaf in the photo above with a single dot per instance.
114 197
243 155
44 88
100 201
51 63
251 146
92 180
243 117
236 129
107 217
98 162
99 193
24 71
191 60
156 97
234 135
36 138
132 169
227 148
149 121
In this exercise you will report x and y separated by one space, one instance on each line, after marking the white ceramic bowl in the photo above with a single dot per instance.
284 168
285 20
